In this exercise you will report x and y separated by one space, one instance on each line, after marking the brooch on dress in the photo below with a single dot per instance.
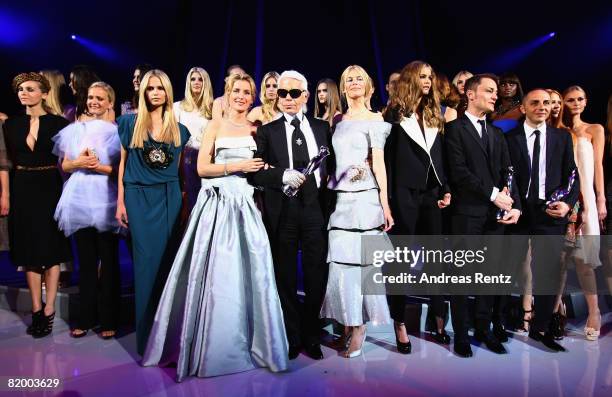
356 173
157 157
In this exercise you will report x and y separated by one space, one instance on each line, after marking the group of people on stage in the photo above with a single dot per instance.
216 264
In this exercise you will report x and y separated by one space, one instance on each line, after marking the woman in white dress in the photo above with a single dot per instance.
589 142
220 312
361 209
90 152
194 112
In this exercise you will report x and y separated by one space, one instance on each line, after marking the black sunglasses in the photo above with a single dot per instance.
294 93
271 85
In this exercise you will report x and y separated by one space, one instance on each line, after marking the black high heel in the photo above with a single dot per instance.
45 327
36 316
524 327
403 348
441 338
557 326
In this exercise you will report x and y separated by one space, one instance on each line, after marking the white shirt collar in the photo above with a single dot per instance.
289 118
529 130
474 119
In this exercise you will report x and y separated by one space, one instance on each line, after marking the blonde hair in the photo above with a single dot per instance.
556 122
368 81
409 96
269 107
204 102
461 73
567 116
107 88
231 80
56 82
170 129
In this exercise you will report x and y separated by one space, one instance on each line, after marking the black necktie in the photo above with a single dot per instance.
534 184
299 146
484 137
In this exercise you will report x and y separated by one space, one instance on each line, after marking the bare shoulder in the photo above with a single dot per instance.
450 114
594 130
256 111
213 127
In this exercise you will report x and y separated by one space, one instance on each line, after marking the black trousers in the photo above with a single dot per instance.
416 212
99 288
546 246
485 304
301 226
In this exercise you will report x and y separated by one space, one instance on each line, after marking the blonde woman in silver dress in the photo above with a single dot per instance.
361 209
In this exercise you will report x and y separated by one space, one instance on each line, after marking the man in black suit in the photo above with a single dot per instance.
286 145
543 159
478 159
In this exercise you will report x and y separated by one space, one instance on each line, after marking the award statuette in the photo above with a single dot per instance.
509 178
312 166
561 193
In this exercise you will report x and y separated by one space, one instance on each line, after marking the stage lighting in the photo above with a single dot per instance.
73 37
552 34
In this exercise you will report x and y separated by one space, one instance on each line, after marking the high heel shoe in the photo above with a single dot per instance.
76 335
45 326
441 338
524 327
356 353
35 322
402 347
591 333
35 318
558 321
344 341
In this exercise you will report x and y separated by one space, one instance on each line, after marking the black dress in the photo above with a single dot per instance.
36 186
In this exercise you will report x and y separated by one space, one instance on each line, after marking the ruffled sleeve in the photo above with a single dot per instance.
64 140
378 132
125 125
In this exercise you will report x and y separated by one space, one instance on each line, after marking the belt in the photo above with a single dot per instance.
40 168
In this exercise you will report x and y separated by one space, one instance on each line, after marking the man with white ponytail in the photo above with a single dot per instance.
287 145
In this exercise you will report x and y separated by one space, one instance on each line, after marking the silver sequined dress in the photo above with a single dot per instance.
358 213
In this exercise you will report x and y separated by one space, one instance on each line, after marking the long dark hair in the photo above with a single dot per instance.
82 77
144 68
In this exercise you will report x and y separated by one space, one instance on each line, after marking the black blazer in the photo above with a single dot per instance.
474 170
407 158
272 148
559 163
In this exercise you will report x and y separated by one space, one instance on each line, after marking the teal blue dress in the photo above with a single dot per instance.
153 203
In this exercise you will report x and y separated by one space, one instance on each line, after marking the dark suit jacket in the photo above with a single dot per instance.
407 159
559 163
272 148
474 170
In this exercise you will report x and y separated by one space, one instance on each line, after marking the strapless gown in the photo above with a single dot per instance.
220 312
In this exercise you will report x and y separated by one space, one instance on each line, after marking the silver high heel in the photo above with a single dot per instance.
356 353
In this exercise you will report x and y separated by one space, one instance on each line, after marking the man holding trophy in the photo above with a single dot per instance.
295 147
543 160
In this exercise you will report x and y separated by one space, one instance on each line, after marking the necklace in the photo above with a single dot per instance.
353 114
157 157
236 124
